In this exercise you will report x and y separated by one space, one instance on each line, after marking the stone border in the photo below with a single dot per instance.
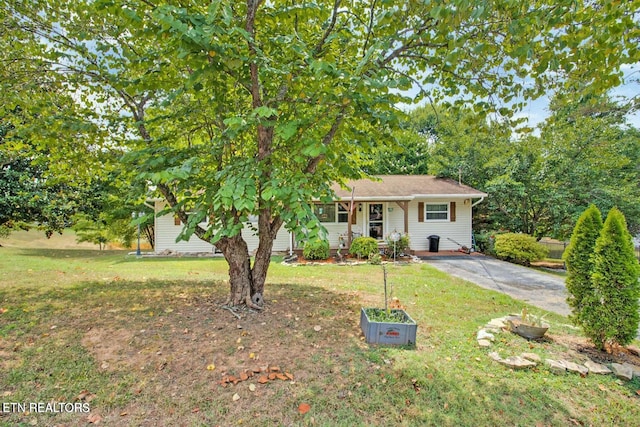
486 336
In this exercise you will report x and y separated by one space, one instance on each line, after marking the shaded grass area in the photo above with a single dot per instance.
139 334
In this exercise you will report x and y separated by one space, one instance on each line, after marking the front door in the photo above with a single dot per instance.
376 221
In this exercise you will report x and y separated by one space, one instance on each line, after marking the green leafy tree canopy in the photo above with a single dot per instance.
239 110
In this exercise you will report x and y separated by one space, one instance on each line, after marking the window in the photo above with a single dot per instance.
325 212
376 221
332 212
343 214
436 211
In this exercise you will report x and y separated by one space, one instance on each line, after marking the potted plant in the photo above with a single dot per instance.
527 325
391 326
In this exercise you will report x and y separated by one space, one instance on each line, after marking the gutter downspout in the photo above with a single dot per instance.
478 202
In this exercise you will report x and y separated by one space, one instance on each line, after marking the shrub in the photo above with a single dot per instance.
577 258
364 247
401 246
485 241
610 312
375 259
316 249
519 248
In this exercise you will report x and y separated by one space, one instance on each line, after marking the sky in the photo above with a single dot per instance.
537 111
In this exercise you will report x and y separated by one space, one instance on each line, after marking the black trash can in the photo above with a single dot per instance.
434 243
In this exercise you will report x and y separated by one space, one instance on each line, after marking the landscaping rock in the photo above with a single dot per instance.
574 367
597 368
496 324
624 372
495 356
555 366
635 369
532 357
517 362
484 335
484 343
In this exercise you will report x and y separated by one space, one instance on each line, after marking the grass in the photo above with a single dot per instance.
137 335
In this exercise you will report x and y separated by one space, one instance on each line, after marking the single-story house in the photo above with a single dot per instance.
418 205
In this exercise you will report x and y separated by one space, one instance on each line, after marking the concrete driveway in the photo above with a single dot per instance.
540 289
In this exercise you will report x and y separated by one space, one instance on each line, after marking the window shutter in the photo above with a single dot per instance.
176 220
420 211
452 211
353 217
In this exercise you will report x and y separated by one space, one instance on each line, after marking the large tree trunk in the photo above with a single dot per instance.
247 282
241 282
268 230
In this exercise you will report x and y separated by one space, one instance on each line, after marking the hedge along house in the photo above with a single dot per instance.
417 205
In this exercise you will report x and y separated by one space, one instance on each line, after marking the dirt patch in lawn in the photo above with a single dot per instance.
582 346
181 359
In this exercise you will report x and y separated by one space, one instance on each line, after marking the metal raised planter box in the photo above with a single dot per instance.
388 333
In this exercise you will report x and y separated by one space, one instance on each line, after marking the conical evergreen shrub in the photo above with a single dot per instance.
610 314
577 258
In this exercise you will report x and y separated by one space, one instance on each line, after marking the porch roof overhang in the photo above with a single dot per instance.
404 188
410 198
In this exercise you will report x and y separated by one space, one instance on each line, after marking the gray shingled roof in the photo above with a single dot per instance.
405 187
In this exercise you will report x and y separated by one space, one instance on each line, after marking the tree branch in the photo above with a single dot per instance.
326 140
369 28
329 30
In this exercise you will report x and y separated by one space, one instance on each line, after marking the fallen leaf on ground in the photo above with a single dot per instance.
86 395
252 387
236 397
317 328
3 310
303 408
195 410
94 419
252 355
288 375
211 367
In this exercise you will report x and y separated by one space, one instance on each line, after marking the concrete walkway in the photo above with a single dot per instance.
543 290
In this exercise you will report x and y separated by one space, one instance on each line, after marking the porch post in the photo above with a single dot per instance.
404 205
349 217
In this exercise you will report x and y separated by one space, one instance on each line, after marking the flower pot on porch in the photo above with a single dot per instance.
397 328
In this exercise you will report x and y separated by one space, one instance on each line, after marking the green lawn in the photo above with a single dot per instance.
133 338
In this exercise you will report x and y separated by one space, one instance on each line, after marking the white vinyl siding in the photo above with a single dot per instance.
167 231
458 230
